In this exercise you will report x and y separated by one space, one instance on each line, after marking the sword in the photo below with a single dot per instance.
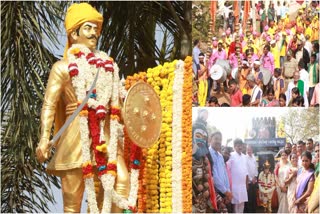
54 140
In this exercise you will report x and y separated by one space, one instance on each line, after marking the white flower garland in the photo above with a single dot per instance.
104 92
177 138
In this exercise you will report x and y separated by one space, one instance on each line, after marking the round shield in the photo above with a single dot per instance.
225 65
234 73
218 73
142 114
266 76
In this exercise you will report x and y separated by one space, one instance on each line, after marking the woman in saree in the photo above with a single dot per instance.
313 203
203 82
292 183
305 183
281 172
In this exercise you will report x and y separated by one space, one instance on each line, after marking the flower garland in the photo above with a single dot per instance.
177 138
187 137
82 60
162 78
165 173
142 197
83 67
152 177
126 148
131 80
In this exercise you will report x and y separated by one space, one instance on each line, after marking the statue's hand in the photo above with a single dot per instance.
42 150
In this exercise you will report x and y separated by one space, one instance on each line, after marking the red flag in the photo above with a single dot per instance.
213 11
236 10
245 13
213 196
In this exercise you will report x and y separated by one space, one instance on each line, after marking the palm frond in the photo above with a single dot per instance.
25 186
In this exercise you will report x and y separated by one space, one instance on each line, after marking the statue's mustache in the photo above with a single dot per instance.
92 37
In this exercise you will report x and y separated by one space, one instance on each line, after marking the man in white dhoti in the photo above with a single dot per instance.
239 177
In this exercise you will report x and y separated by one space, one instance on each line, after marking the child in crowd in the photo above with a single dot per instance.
246 100
235 93
270 100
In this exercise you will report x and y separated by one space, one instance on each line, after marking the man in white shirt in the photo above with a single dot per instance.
308 45
239 176
251 205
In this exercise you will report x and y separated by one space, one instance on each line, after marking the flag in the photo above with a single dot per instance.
245 13
213 11
236 11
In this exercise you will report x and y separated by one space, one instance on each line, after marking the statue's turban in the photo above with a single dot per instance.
77 15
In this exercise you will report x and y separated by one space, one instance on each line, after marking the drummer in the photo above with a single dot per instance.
267 59
236 58
219 54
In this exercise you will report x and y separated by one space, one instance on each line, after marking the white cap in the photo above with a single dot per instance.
245 62
257 62
273 42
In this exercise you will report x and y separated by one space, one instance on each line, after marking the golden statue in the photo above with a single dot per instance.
88 155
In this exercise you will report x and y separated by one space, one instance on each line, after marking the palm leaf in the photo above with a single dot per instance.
25 186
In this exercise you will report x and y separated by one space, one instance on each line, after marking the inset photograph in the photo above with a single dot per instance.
255 160
255 53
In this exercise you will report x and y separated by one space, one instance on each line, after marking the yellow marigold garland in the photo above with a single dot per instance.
152 172
187 137
161 79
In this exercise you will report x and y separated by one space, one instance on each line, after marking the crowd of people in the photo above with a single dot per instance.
275 66
290 186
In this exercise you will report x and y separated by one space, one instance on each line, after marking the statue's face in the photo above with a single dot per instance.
88 35
199 172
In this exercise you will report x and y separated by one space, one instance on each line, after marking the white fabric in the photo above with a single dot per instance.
238 208
291 85
239 171
255 92
299 55
299 162
282 196
308 47
304 76
252 167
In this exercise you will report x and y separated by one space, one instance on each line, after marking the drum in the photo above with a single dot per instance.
266 76
225 65
218 73
234 73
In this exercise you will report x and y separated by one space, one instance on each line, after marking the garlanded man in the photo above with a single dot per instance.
266 184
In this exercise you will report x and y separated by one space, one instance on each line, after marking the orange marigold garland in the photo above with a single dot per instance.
131 80
127 148
187 137
142 197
